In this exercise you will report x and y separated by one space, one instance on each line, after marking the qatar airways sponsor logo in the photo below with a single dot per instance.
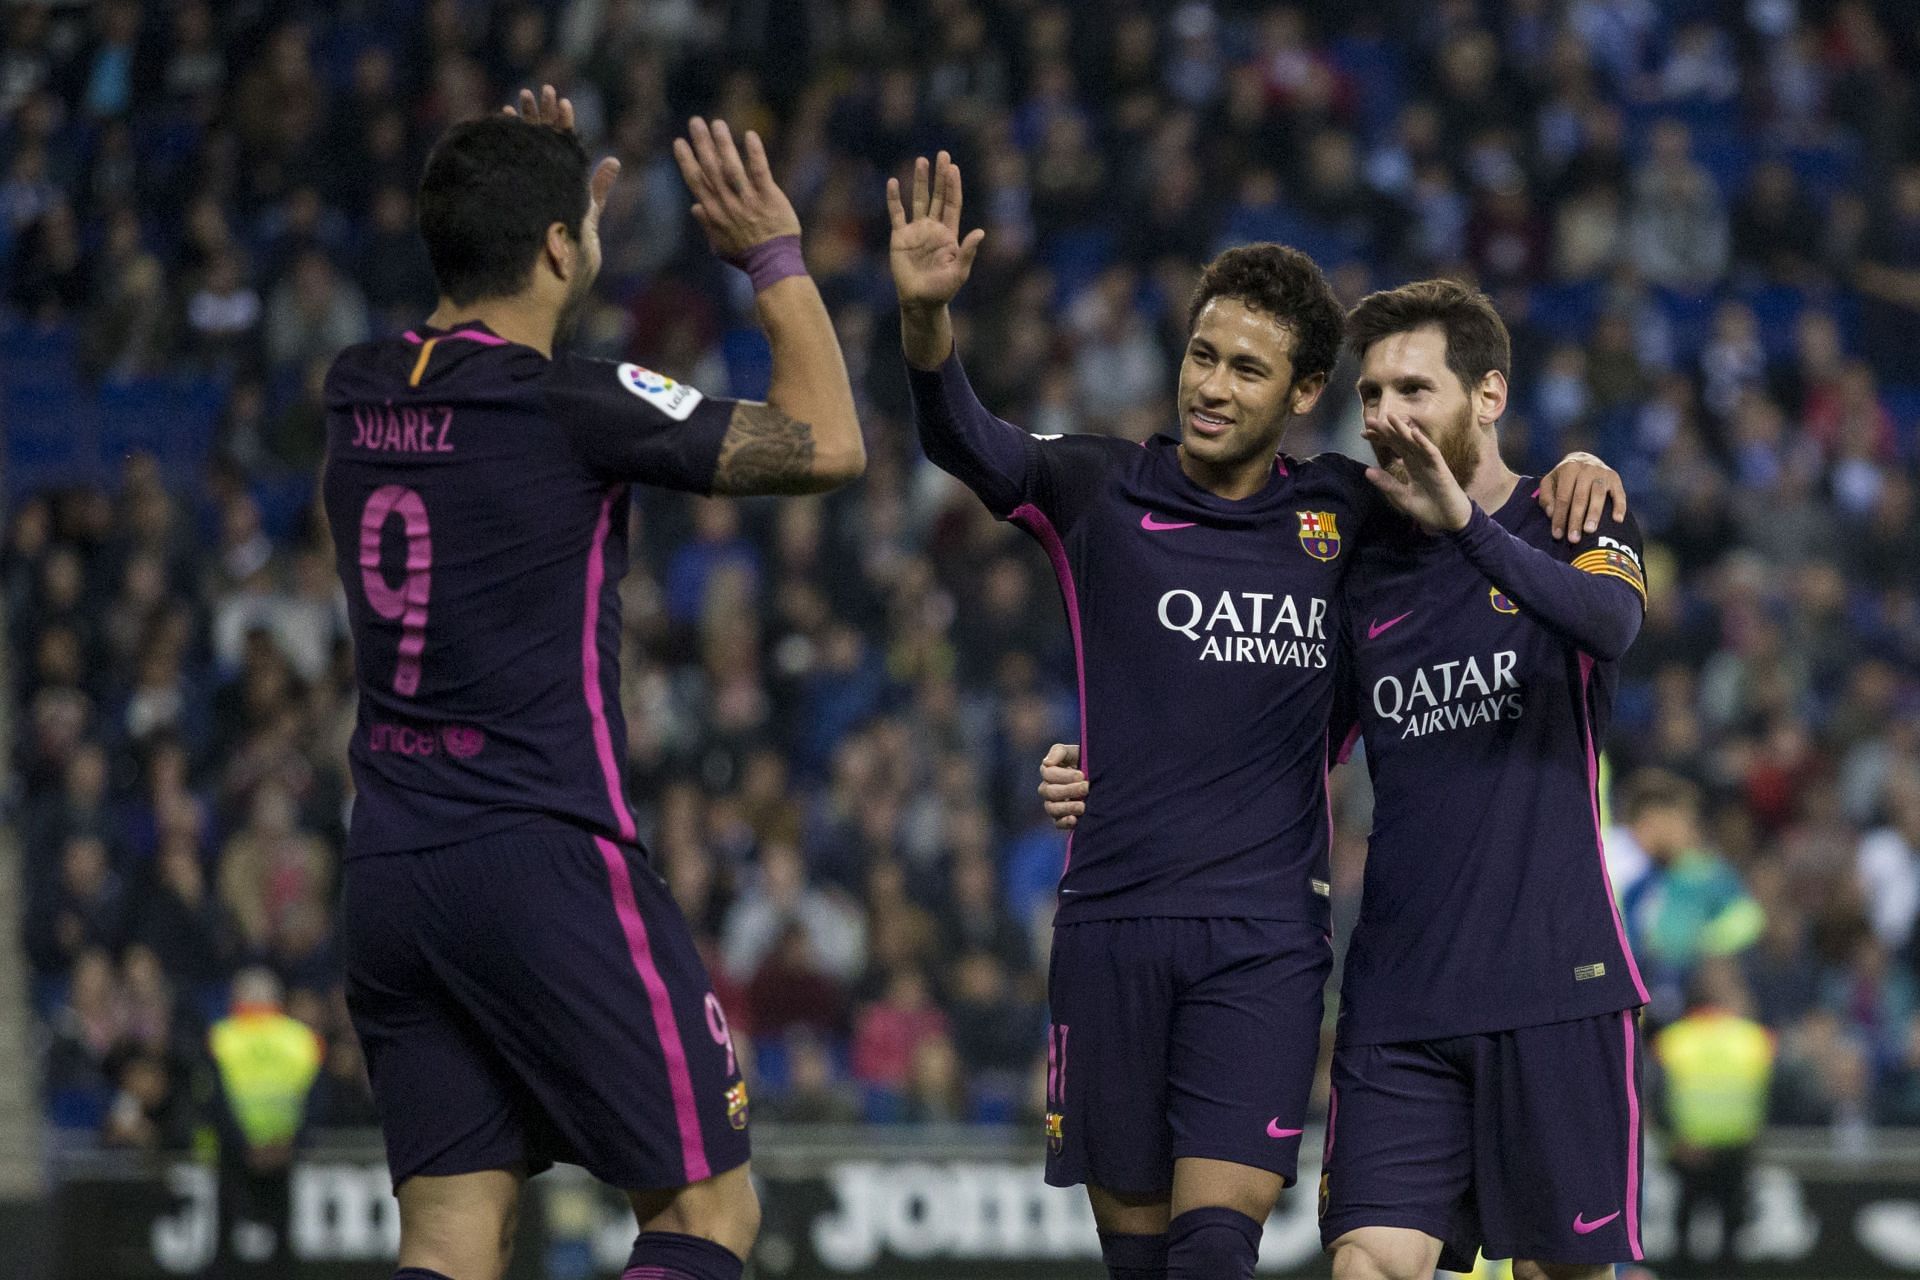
460 741
1451 695
1250 626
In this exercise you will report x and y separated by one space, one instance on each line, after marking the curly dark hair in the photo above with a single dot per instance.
1477 339
1287 285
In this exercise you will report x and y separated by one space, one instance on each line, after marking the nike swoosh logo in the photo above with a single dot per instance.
1148 523
1376 629
1275 1131
1581 1227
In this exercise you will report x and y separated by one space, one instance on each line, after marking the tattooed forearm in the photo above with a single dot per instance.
765 451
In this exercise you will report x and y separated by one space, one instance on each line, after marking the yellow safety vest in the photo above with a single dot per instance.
267 1063
1718 1067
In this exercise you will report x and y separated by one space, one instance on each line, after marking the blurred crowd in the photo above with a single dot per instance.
1701 219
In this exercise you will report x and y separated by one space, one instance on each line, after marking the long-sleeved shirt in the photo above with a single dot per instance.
1205 632
1483 676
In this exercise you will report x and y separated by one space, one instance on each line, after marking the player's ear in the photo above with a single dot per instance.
1490 397
1306 392
560 253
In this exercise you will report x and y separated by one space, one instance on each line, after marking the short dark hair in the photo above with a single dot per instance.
491 189
1287 285
1477 341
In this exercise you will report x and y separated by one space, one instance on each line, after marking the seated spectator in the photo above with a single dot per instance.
86 1030
151 1108
790 989
777 900
270 867
85 912
997 1029
314 314
887 1031
814 1092
191 931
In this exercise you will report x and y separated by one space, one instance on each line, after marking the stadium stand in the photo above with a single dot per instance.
1701 220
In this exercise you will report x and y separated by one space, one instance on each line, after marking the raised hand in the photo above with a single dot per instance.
737 203
550 109
930 261
1429 494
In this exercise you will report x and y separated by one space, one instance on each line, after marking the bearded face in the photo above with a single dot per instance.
1459 443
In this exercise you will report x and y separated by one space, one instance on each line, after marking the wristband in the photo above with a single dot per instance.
771 261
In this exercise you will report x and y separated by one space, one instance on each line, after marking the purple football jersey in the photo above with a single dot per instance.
477 493
1206 633
1483 671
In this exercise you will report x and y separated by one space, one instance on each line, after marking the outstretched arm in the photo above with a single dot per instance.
806 437
1596 603
930 262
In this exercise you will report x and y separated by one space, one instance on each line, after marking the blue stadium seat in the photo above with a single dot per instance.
1903 402
1827 167
749 363
81 1110
1075 258
1691 315
1777 307
1566 309
52 435
172 418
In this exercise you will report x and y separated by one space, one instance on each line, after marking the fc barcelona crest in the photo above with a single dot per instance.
1319 535
1500 602
737 1104
1056 1132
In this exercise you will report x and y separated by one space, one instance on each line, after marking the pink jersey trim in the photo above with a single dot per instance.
472 335
1633 1143
1346 748
590 670
1035 522
1599 840
693 1146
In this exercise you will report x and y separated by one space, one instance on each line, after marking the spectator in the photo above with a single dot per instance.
1679 225
888 1032
85 911
779 900
314 314
1689 904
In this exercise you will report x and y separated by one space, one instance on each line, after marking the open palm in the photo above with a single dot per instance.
930 261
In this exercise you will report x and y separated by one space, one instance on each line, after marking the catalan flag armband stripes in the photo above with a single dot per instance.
1610 563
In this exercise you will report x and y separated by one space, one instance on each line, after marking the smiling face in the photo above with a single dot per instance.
1237 387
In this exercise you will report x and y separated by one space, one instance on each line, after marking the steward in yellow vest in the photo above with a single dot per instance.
1717 1068
266 1063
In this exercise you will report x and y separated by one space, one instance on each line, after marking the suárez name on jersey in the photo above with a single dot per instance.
1250 626
1451 695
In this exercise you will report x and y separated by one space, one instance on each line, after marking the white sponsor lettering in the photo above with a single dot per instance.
183 1240
1244 626
344 1213
1451 695
1614 544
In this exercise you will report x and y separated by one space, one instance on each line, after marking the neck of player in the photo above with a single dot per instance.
1492 482
1232 481
511 318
